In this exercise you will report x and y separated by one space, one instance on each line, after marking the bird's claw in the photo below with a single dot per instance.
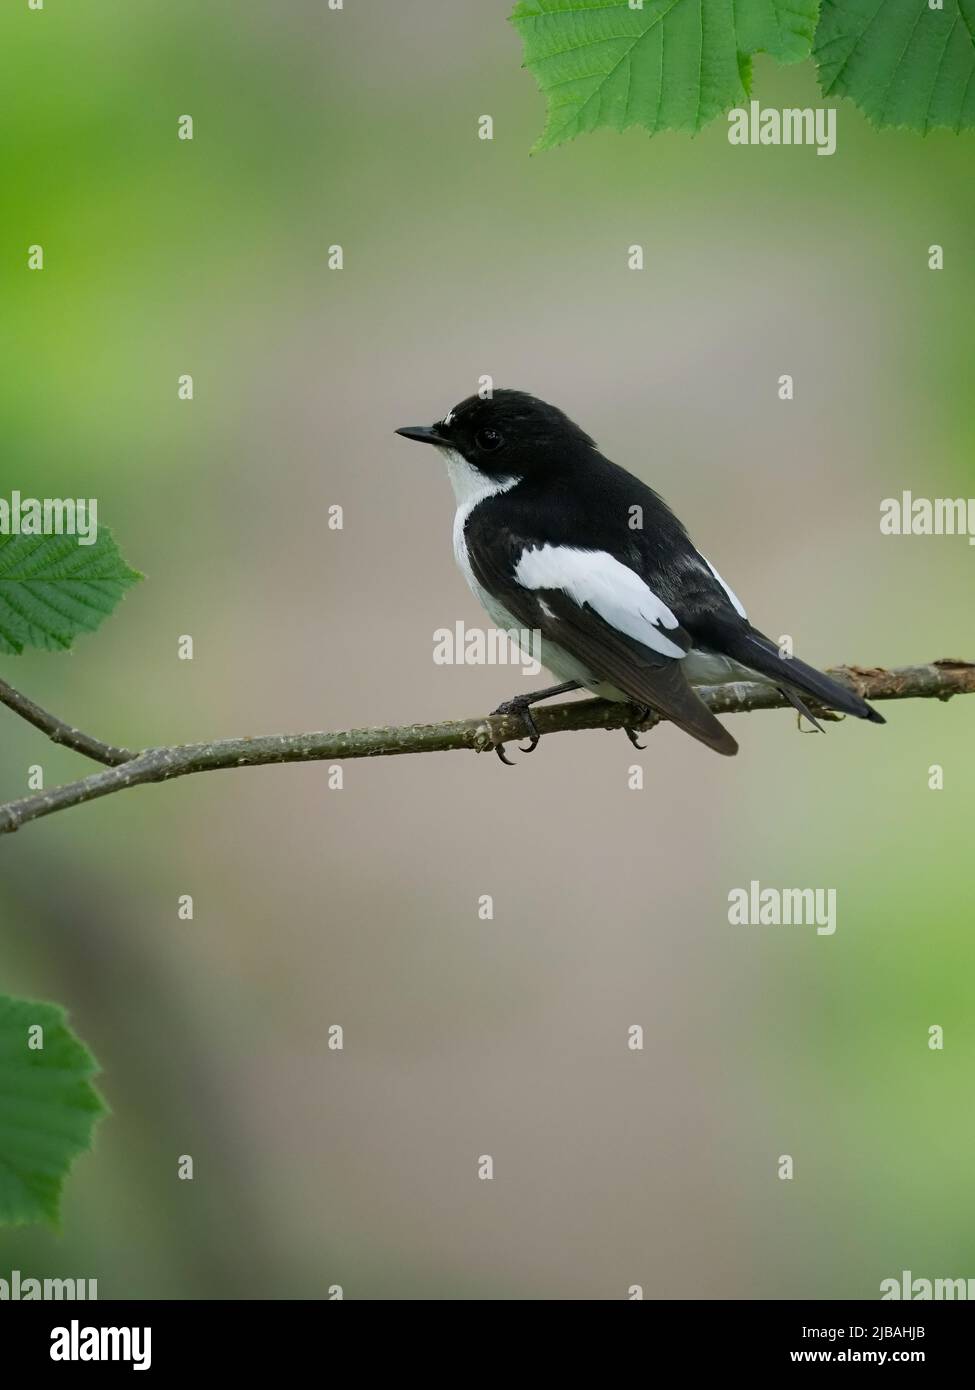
644 712
521 709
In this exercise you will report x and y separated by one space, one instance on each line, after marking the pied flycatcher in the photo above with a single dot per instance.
552 536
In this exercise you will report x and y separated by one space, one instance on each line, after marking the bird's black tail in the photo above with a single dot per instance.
754 649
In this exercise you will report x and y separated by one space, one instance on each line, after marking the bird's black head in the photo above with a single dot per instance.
509 434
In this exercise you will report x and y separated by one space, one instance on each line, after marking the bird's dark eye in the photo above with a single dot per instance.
489 440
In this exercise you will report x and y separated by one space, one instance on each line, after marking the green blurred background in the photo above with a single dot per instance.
359 907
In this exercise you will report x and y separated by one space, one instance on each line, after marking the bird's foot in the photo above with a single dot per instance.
520 706
643 712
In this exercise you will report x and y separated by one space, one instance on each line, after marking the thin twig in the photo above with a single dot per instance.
939 680
59 732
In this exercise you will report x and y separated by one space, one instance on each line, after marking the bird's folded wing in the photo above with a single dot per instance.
645 676
600 611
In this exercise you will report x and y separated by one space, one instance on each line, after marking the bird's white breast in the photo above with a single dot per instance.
470 488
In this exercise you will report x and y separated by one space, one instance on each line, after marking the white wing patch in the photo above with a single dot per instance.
735 600
610 588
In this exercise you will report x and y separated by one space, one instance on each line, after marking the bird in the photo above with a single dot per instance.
552 536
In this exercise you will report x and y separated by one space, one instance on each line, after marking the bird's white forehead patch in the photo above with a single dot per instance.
448 419
610 588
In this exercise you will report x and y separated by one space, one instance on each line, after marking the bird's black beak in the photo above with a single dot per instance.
426 434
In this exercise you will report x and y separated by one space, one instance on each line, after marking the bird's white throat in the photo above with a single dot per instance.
470 488
469 484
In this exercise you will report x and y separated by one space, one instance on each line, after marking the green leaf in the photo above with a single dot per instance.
52 588
48 1108
672 65
901 62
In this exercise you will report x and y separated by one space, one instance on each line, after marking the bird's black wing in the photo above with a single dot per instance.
599 611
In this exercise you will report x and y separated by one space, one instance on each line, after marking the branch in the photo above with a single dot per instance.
59 732
939 680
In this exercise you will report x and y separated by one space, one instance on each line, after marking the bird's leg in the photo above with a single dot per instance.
644 713
520 705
